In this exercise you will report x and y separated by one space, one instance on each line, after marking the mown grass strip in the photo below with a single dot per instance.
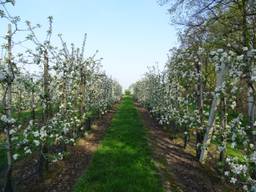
123 161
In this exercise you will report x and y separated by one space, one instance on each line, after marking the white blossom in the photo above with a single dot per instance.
233 180
15 156
36 142
253 157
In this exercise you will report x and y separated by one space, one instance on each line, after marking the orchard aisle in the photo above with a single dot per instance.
179 170
123 161
63 175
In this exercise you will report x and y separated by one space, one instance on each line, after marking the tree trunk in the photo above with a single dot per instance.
215 103
33 113
199 99
251 113
64 97
46 86
186 137
20 103
247 72
8 186
224 131
43 163
82 91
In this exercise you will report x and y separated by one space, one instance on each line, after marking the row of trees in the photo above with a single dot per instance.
208 85
59 99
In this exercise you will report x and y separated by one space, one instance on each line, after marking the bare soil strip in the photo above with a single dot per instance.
63 174
178 169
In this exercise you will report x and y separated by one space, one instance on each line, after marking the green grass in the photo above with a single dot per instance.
235 153
123 161
25 116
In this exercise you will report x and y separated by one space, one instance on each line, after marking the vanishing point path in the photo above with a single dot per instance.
137 156
123 161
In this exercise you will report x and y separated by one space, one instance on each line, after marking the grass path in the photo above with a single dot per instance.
123 162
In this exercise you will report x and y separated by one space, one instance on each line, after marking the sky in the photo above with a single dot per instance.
130 34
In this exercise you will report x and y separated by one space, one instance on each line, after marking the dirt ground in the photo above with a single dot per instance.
178 169
62 175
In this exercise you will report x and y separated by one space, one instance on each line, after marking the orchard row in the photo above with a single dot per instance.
207 89
49 94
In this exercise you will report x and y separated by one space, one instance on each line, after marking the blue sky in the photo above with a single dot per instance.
130 34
